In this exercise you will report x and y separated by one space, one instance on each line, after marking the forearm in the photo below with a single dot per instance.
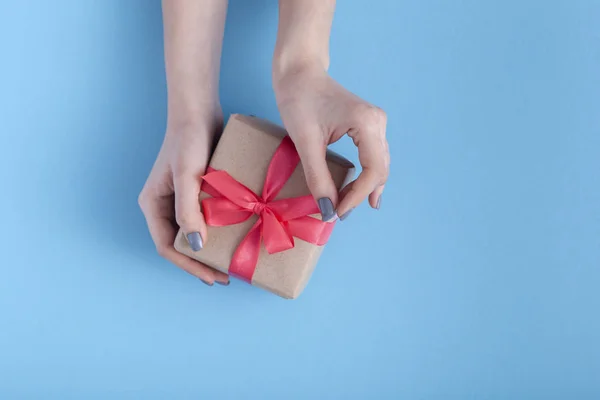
193 36
303 35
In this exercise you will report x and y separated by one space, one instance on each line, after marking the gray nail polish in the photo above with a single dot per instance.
195 241
346 214
223 284
206 283
378 206
326 208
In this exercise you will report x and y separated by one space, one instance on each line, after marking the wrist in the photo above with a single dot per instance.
191 99
302 37
287 66
193 115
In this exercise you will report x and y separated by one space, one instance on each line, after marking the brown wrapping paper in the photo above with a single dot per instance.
244 151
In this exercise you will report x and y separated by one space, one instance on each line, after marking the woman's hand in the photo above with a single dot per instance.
169 198
193 37
317 111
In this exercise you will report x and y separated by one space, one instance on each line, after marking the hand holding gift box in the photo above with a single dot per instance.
272 240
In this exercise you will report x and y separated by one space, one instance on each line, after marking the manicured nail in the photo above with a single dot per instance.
222 284
378 206
326 207
195 241
346 214
206 283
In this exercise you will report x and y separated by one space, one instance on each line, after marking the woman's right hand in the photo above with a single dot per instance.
169 199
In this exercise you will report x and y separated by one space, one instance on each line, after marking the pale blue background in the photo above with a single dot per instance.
478 279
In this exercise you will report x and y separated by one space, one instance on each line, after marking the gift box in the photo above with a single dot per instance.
263 225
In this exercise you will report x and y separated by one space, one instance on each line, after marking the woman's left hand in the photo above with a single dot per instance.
318 111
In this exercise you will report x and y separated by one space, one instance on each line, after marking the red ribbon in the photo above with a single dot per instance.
279 221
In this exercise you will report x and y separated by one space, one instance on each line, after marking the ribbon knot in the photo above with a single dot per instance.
258 207
278 222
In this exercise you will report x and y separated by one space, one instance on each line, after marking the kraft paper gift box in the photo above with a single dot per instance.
245 151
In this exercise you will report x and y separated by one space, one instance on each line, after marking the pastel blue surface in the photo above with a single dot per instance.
478 279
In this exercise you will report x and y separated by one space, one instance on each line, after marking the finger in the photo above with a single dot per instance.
375 197
374 158
187 210
312 150
196 268
163 234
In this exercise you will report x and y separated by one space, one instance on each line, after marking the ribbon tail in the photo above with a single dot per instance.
275 234
245 258
296 207
311 230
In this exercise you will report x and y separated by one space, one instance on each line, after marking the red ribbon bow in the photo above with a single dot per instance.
279 221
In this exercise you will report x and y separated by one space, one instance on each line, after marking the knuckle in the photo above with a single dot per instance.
371 116
183 168
384 177
180 170
188 218
315 186
143 200
311 175
183 218
381 175
317 179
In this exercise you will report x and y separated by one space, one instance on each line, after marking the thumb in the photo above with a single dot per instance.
187 210
312 150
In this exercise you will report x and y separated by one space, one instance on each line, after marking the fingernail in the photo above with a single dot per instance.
346 214
195 241
222 284
378 206
206 283
326 208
